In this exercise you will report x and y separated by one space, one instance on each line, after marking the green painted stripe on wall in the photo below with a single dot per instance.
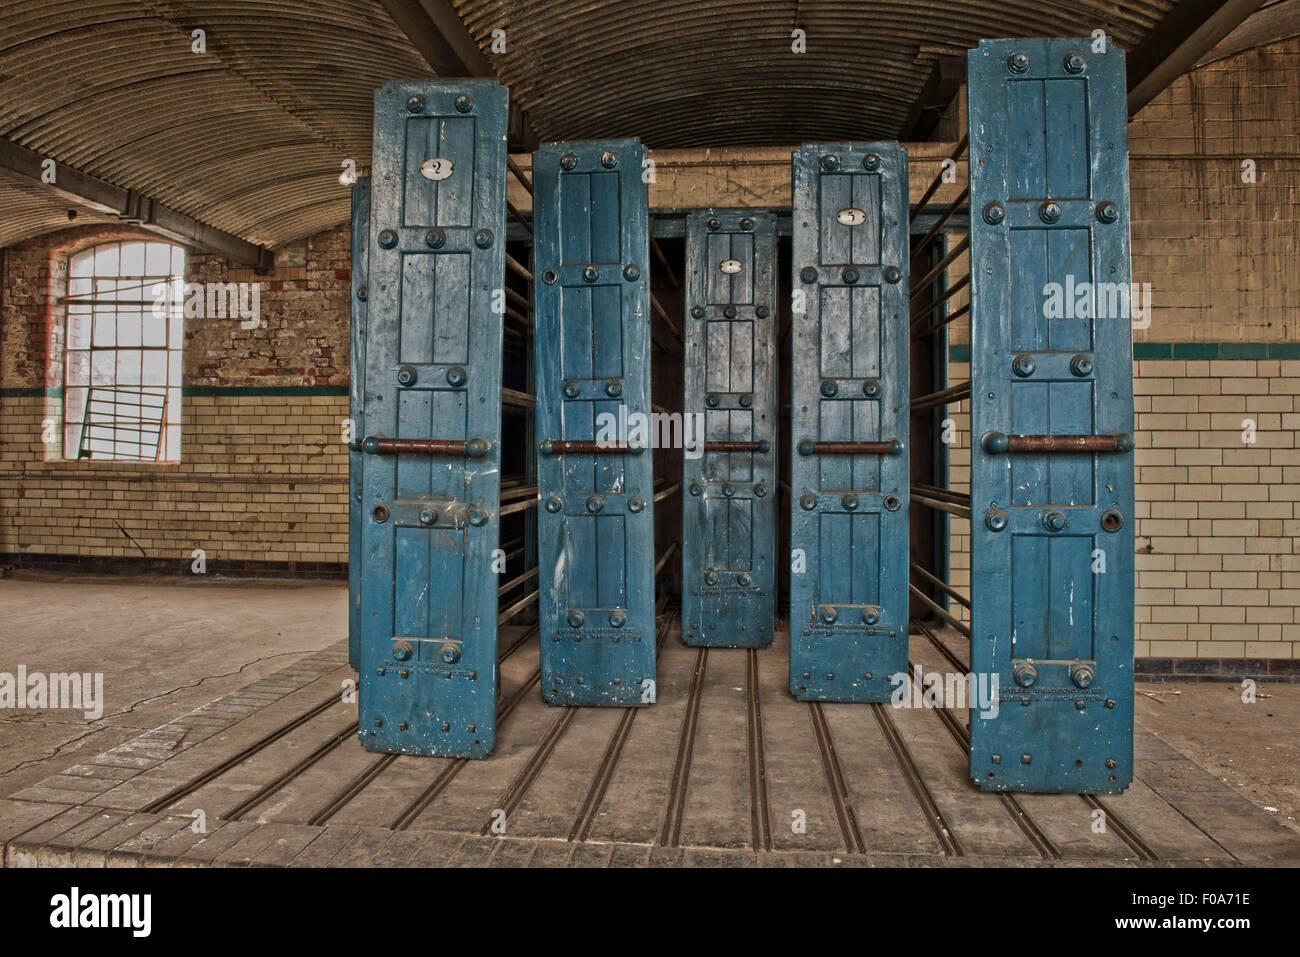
31 392
1187 350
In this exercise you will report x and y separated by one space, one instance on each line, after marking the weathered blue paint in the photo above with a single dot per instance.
1049 202
356 375
729 505
848 512
433 371
595 525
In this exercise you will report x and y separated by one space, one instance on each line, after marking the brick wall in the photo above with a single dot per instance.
262 476
1218 530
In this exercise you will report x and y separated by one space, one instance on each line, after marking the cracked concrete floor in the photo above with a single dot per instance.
165 645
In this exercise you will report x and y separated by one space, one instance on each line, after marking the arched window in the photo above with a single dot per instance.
122 356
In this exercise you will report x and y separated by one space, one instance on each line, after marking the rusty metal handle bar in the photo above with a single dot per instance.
584 447
999 442
762 445
469 448
890 447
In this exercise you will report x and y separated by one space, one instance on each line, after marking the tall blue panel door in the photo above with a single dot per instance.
594 466
729 511
432 450
1051 416
849 407
356 411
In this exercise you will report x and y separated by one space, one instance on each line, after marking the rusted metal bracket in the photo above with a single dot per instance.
890 447
469 448
999 442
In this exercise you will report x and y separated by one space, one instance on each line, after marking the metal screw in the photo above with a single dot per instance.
415 103
464 103
388 239
871 162
608 160
1049 212
568 161
1018 63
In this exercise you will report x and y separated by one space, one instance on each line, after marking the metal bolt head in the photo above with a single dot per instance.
435 238
1074 63
1107 212
464 103
595 503
553 504
697 312
830 162
997 759
760 490
808 502
609 160
893 503
870 615
893 274
1023 366
477 517
446 726
550 276
762 312
850 275
415 103
830 388
1024 674
428 516
712 401
1018 63
572 388
1082 675
1081 366
379 722
576 619
1026 759
590 274
710 577
617 619
636 504
746 401
744 580
871 162
828 614
631 272
483 238
380 513
1050 212
406 376
728 490
871 388
568 161
850 502
995 520
993 213
696 489
387 239
714 225
362 293
450 653
1055 521
613 388
456 377
729 312
808 274
402 650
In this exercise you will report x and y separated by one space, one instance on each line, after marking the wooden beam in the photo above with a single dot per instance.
1186 34
946 77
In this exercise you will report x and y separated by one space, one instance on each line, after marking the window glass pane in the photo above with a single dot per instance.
78 368
78 327
155 329
178 261
105 328
133 259
154 370
174 373
82 263
78 288
103 367
129 320
106 259
128 368
158 259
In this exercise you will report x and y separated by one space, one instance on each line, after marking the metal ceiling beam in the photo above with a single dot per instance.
436 30
946 77
1186 34
29 168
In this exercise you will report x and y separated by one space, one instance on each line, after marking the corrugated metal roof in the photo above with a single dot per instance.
249 136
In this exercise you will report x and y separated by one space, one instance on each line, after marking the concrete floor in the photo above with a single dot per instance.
167 646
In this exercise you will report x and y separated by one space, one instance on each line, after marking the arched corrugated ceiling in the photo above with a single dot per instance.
249 136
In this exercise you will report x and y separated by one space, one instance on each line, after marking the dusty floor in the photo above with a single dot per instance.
167 646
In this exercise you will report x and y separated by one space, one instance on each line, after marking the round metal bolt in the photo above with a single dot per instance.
993 213
696 489
871 388
590 274
553 505
893 503
728 490
464 103
729 312
380 513
1082 675
387 239
428 516
402 651
807 446
828 614
746 401
697 312
568 161
850 502
636 504
631 272
762 312
764 446
406 376
744 580
1055 521
617 619
1107 212
577 619
1050 212
715 225
608 160
1018 63
549 276
362 293
476 448
456 377
449 653
572 388
710 577
830 163
850 275
808 274
1112 520
435 238
995 520
830 388
415 103
1074 63
808 502
1081 366
712 401
477 517
870 616
760 490
747 224
483 238
871 162
995 442
1023 366
595 503
613 388
893 274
